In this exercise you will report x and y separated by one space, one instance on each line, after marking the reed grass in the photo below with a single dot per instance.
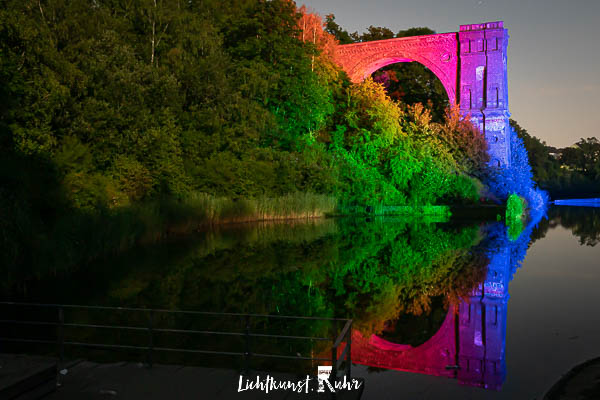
290 206
79 236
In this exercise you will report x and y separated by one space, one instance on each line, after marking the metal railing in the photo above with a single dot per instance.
345 356
61 341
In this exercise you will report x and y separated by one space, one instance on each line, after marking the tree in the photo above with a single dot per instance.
420 31
334 29
376 33
543 166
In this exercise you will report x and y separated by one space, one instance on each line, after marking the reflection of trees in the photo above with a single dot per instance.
389 269
543 226
584 222
374 272
415 330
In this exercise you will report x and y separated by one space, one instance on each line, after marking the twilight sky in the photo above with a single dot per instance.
553 52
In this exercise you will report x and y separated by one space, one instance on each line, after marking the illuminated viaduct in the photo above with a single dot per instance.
471 64
470 344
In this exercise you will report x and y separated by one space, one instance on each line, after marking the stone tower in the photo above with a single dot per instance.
483 94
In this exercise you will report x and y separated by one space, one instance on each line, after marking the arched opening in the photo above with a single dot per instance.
414 330
410 82
436 53
430 357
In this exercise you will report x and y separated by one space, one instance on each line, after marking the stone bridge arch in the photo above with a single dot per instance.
436 52
471 64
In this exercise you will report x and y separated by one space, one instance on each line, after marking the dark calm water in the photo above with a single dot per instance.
440 310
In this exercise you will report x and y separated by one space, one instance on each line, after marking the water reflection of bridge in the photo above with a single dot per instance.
468 347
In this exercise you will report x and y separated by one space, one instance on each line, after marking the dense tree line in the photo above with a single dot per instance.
129 100
108 105
564 172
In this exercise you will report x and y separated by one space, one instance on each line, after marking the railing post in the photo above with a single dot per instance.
333 374
61 335
150 340
349 353
247 340
61 343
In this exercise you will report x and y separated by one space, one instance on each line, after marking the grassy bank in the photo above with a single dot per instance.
442 212
479 212
209 210
78 236
152 222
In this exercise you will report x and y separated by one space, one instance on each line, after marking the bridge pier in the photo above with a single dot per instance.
482 327
484 85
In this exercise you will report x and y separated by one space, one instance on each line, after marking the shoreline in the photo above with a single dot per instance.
580 382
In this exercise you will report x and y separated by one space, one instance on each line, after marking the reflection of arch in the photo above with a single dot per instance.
469 346
432 357
471 64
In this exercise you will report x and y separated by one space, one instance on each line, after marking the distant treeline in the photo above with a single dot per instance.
568 172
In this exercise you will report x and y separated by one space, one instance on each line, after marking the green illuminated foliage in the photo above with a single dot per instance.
515 215
515 207
391 157
136 103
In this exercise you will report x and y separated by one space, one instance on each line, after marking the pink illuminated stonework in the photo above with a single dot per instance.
471 64
468 347
439 53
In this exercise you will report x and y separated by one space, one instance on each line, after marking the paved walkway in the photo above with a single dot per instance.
30 375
